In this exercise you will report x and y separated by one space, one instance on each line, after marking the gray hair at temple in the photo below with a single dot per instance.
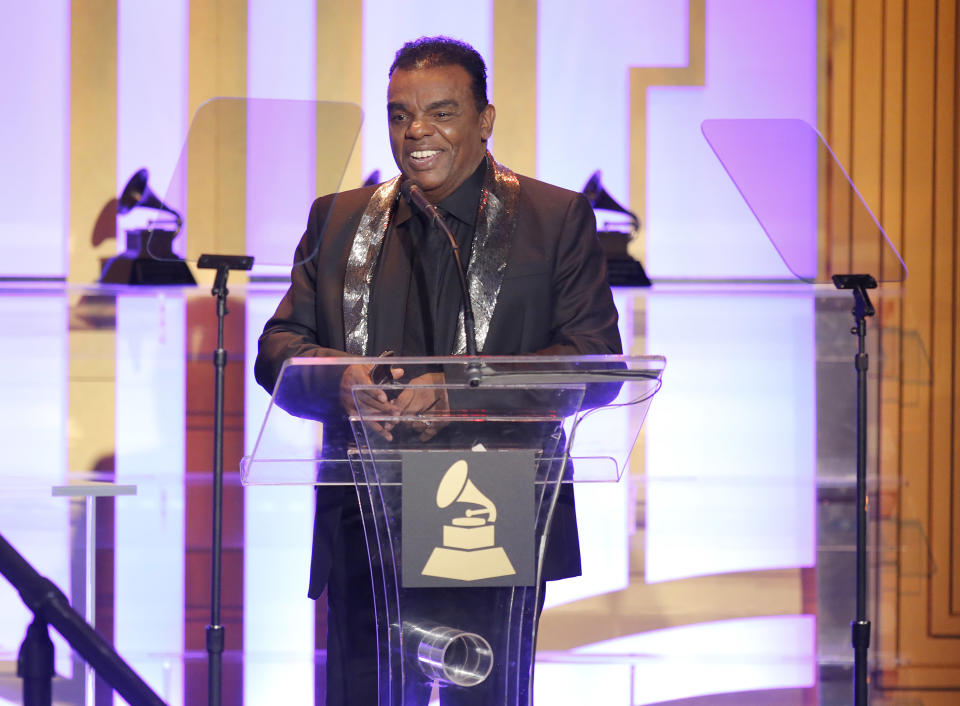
430 52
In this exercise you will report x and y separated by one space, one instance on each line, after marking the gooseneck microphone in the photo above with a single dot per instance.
415 197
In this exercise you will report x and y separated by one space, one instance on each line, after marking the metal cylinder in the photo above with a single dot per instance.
450 655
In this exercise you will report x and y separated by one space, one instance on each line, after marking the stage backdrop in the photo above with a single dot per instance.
103 87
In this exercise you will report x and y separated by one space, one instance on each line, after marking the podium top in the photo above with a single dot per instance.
316 421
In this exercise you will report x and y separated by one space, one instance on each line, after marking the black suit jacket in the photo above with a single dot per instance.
554 300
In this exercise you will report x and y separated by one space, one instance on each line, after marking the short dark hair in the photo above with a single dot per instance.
429 52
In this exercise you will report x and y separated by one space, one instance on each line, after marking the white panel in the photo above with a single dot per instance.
33 436
34 134
571 683
604 510
387 26
281 49
278 625
281 136
761 62
726 656
151 97
584 57
150 452
731 447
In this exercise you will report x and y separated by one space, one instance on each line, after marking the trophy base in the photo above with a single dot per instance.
468 565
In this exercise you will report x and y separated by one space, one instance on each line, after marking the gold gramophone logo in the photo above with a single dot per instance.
469 551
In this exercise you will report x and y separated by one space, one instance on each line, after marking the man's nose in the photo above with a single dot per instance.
418 128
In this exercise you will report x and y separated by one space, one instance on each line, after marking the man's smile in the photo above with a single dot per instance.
423 158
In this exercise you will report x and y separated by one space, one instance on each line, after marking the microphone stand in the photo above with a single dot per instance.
414 195
860 627
215 631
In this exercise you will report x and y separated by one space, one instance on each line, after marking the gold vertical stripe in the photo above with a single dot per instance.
893 112
93 166
642 78
93 131
838 125
896 365
216 178
217 50
955 408
865 154
339 78
824 57
515 84
919 70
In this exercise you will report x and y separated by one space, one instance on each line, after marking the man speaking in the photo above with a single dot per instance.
382 278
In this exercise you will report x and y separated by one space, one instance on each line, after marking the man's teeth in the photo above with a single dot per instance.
423 154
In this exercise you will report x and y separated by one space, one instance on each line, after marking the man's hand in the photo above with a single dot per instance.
417 398
367 402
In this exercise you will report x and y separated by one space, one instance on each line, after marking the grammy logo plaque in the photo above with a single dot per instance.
468 518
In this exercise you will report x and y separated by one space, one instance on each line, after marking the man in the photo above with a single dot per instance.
374 276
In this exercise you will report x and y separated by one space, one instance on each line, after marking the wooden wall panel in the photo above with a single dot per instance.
944 623
839 94
891 115
955 433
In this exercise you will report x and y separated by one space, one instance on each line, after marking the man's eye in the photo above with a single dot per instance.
442 116
397 118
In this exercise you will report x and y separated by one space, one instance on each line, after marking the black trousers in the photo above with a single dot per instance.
352 678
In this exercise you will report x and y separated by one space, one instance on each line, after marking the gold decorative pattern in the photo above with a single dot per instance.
642 78
93 165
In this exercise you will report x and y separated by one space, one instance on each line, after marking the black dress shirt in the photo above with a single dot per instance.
416 297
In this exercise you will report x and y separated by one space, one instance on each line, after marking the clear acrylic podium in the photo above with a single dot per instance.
457 499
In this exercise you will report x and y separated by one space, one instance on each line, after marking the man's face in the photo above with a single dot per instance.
436 133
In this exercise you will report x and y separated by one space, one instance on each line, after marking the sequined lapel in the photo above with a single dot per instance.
361 265
496 224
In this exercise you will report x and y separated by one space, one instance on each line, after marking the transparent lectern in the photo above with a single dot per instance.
457 498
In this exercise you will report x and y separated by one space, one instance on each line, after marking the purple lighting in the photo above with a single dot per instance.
774 166
761 61
780 168
34 138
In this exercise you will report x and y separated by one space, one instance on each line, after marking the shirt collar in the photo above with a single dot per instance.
462 204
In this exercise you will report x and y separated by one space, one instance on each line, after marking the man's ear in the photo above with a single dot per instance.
487 116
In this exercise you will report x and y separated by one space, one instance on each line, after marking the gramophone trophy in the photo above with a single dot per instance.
149 257
622 268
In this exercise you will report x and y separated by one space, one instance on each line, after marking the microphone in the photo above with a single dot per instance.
413 194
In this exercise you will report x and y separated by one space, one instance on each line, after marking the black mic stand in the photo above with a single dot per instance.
474 369
860 627
413 194
215 631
